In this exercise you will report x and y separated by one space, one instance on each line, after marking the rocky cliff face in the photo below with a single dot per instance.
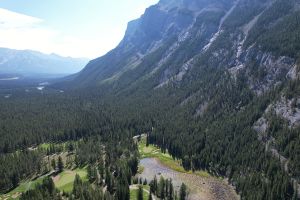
163 30
228 34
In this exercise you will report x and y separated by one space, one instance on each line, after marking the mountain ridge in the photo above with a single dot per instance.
28 62
138 42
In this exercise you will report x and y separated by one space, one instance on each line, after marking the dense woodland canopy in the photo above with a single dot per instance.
206 119
219 140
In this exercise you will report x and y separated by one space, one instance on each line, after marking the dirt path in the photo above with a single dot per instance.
201 188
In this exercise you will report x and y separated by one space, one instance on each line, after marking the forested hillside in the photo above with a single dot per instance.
214 83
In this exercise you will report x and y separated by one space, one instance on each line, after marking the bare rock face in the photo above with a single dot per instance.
271 72
261 126
289 110
201 109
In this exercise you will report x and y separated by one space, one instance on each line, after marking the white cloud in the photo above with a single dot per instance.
18 31
11 19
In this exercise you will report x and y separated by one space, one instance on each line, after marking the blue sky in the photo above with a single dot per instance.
77 28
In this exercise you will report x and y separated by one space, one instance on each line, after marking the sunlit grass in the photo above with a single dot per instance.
44 146
66 179
23 187
64 183
133 193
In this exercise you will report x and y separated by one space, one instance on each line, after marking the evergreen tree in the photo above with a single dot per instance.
91 173
145 182
108 180
101 170
70 147
140 193
53 164
15 180
171 190
186 163
77 186
150 196
155 185
161 187
44 191
183 192
147 140
60 164
295 195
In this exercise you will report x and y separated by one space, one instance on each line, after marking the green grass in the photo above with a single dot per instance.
63 145
65 183
165 158
44 146
66 179
23 187
133 193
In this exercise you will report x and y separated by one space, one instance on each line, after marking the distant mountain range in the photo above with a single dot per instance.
30 63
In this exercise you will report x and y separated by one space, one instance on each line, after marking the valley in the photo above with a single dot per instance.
12 86
201 185
200 100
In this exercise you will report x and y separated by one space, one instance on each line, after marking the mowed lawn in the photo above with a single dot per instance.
64 181
166 159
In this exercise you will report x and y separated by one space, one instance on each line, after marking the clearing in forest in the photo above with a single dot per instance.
134 191
201 184
166 159
65 180
23 187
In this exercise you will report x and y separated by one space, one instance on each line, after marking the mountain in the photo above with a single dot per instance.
172 36
219 75
26 62
159 33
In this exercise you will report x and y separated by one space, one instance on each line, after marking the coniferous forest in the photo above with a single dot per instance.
214 85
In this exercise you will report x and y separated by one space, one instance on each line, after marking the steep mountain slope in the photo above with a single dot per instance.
221 76
157 35
26 62
174 33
